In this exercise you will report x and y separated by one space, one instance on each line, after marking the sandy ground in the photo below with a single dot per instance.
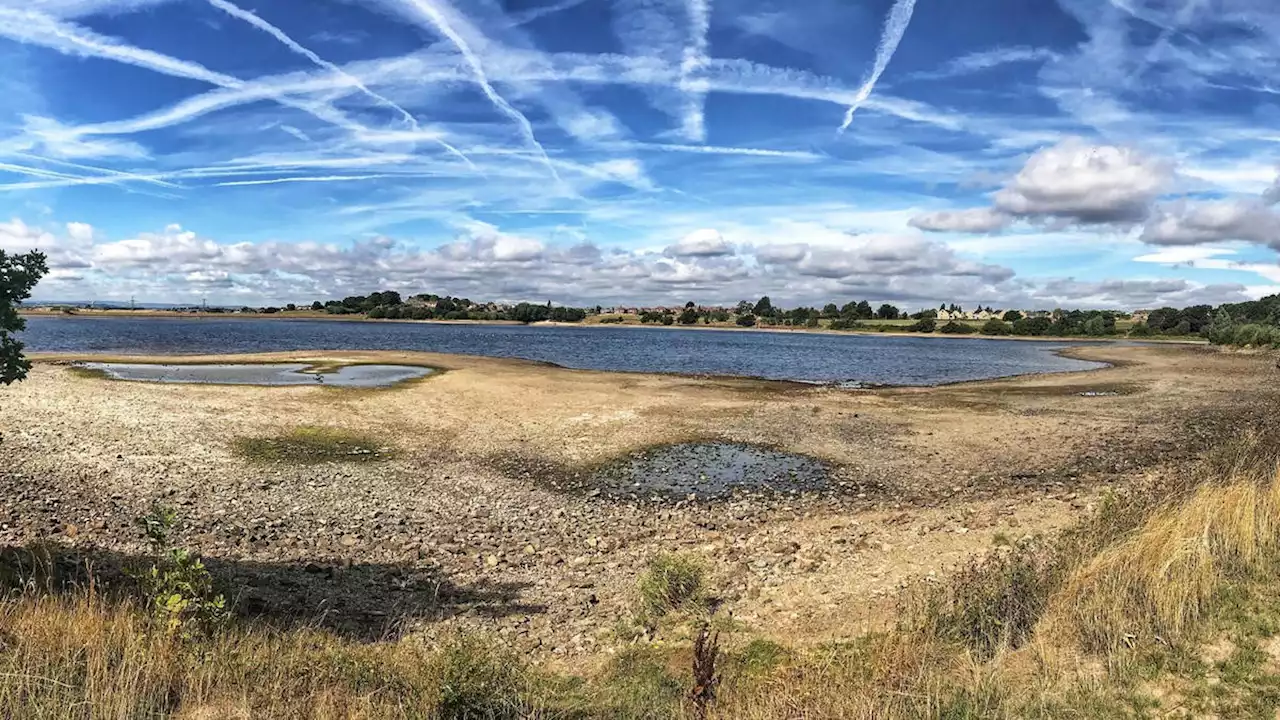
464 527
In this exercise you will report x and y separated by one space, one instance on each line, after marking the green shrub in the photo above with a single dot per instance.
996 327
955 328
844 324
746 320
990 604
177 587
480 681
672 583
923 325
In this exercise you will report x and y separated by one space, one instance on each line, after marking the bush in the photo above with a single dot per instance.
477 680
177 587
611 321
923 325
996 327
668 320
746 321
671 583
990 604
955 328
844 324
1035 326
1258 336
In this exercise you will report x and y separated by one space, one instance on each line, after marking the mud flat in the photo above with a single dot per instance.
482 502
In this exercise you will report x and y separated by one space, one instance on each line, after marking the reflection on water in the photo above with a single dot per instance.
351 376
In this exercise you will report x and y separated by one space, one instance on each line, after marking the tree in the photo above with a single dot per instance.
996 327
887 312
747 320
18 275
690 305
923 325
1012 316
830 310
689 316
317 306
764 307
864 311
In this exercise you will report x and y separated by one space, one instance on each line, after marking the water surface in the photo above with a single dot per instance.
709 470
807 357
351 376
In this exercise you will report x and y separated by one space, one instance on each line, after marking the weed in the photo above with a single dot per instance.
177 586
478 680
706 676
672 583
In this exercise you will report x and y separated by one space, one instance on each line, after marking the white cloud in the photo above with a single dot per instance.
1087 184
707 242
975 220
1197 223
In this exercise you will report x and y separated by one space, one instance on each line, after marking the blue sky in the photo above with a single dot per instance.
1028 153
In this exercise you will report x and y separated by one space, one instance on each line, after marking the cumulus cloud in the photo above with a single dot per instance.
1085 184
1272 194
484 262
882 257
1134 294
783 253
975 220
1197 223
1072 183
707 242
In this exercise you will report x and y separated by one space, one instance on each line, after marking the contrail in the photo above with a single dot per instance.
326 178
695 60
275 32
894 28
437 18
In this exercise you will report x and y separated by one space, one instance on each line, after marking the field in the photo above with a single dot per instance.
362 582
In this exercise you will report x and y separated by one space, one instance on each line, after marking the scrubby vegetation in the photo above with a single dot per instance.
1163 599
307 445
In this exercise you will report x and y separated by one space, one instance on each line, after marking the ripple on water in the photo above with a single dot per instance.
710 470
350 376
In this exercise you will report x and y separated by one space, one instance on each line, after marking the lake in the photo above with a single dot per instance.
807 357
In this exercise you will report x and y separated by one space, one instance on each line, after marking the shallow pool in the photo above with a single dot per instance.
350 376
710 470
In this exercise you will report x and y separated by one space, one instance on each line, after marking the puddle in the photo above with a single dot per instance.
709 471
351 376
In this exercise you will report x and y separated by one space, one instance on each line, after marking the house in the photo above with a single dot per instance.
1140 316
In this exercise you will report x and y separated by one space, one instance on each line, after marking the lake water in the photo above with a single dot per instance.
808 357
351 376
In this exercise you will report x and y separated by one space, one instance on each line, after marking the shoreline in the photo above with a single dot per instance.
324 359
322 317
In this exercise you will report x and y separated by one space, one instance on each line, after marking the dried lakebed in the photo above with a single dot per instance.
435 535
348 376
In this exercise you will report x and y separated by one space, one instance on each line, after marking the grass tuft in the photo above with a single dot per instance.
672 583
311 445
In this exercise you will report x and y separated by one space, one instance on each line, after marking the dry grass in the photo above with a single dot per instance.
1082 626
1158 582
85 657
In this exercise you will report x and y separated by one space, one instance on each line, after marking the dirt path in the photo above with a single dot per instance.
460 527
